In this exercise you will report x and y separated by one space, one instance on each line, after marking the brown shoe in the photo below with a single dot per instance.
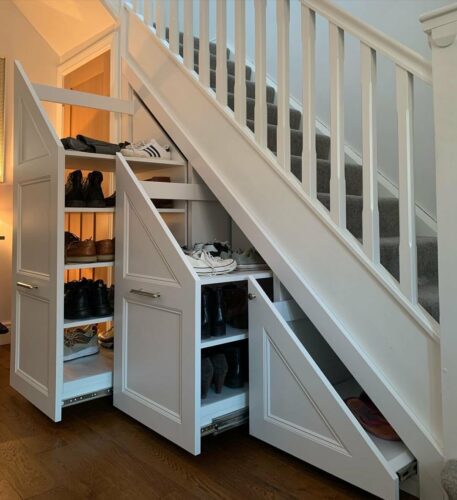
105 250
81 251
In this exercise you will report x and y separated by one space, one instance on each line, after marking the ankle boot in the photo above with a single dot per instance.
76 301
235 375
98 298
206 313
220 371
74 195
218 329
207 375
93 190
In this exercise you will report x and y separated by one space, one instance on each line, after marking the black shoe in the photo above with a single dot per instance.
235 376
76 145
3 329
220 371
207 375
110 201
76 301
98 299
74 194
93 193
99 147
218 324
206 312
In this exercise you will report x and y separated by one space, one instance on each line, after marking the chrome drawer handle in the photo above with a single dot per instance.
152 295
26 285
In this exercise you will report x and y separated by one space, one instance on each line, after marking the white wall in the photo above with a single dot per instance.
18 40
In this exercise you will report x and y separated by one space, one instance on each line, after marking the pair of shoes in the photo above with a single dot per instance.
213 313
147 149
214 370
84 193
86 298
204 263
79 342
3 329
247 260
88 250
106 338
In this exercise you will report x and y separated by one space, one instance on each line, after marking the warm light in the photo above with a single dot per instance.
2 120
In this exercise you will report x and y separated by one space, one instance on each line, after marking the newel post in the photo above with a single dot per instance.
441 28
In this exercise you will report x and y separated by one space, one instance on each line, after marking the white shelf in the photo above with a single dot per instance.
234 276
71 323
232 335
88 374
229 400
171 210
88 210
88 265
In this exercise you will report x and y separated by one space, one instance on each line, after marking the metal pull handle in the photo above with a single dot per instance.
252 296
152 295
27 285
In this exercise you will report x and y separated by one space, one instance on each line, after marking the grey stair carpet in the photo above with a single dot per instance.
427 255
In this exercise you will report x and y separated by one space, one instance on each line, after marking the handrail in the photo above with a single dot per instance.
400 54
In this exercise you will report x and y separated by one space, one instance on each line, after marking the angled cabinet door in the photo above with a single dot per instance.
294 407
37 324
155 369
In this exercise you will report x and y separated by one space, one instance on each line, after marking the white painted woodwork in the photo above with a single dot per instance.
283 130
156 366
203 52
221 51
370 215
294 407
407 212
188 34
135 5
308 33
177 191
36 350
147 12
174 26
337 177
260 110
160 18
240 63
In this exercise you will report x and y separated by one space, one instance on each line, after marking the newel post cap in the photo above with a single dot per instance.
441 25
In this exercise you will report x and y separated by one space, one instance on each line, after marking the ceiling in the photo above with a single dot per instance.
66 24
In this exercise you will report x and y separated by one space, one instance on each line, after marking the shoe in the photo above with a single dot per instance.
150 149
76 301
220 371
92 189
97 146
3 329
81 251
204 263
218 327
74 193
235 376
206 375
110 201
207 300
106 338
215 248
98 298
111 296
79 342
75 145
105 250
161 203
236 303
249 260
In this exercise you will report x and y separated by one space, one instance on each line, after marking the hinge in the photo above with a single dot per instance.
86 397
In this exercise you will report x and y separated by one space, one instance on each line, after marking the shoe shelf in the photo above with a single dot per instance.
171 210
89 210
228 401
93 320
232 335
88 265
234 276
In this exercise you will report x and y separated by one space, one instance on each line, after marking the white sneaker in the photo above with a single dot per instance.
204 263
150 149
79 342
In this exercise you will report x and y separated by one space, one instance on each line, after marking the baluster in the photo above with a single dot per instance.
260 110
407 207
221 51
147 12
337 179
174 26
189 34
370 217
283 130
203 54
135 5
308 32
160 19
240 62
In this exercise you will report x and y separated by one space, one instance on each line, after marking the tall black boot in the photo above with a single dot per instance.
235 375
206 313
207 375
220 371
218 329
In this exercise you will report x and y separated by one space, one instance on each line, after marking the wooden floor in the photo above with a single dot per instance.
97 452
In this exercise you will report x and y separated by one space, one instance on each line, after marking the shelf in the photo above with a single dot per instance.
234 276
171 210
88 374
88 265
107 163
232 335
72 323
228 401
89 210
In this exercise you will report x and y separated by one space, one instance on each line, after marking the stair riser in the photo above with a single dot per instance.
250 87
213 63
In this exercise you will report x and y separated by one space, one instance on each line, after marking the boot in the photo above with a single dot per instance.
74 195
236 302
76 301
218 329
93 190
235 375
220 371
207 375
98 298
206 313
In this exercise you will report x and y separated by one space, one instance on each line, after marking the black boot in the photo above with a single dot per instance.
93 190
76 301
207 375
74 195
235 375
218 329
206 313
220 371
98 298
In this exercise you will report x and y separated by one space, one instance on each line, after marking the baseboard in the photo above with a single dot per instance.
5 339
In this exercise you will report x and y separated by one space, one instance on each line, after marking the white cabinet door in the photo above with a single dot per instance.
37 325
156 352
293 406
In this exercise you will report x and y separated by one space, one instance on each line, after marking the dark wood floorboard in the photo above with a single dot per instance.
97 452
